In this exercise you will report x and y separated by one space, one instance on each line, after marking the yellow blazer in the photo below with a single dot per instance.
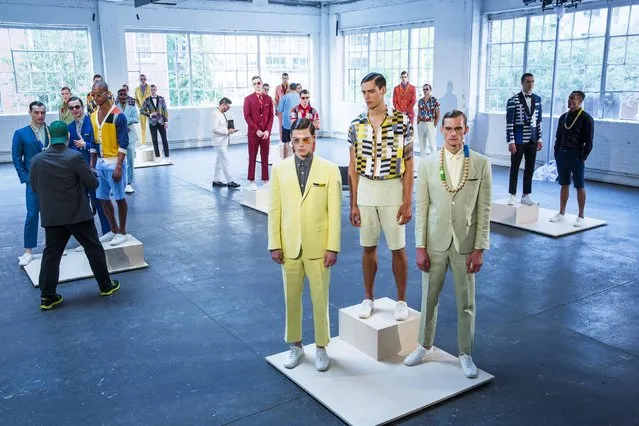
309 223
140 97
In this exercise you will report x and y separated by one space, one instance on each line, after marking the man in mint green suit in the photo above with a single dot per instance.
452 225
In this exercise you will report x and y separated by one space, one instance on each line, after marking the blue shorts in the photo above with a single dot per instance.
569 163
106 184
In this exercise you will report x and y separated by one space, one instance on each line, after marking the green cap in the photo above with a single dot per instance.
59 132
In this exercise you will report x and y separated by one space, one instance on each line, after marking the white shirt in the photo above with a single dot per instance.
220 128
528 99
455 165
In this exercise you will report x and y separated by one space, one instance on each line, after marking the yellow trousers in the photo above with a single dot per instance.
143 129
319 277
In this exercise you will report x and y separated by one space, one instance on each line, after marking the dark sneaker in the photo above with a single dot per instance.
47 303
115 286
218 183
233 185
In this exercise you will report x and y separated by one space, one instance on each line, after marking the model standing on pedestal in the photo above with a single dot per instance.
284 108
304 237
523 134
427 120
142 92
27 142
81 139
573 143
380 173
452 227
258 113
305 110
132 118
405 97
109 157
65 114
221 140
61 177
155 109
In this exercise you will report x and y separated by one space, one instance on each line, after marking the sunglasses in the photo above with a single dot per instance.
306 97
75 107
98 95
257 83
306 141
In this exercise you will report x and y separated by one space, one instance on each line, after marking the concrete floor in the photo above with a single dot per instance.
183 342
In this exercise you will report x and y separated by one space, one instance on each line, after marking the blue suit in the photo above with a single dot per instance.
24 147
87 135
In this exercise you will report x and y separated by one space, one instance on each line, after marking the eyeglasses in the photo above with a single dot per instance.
98 95
142 79
306 141
257 83
426 90
305 97
75 107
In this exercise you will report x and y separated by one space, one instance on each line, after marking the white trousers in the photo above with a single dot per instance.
222 163
426 133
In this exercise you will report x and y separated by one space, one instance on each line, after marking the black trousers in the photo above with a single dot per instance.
528 150
57 238
154 137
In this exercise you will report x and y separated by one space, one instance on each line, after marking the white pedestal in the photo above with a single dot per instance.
380 336
363 391
257 200
144 157
75 265
518 214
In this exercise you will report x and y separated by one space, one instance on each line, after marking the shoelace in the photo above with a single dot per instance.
467 361
292 354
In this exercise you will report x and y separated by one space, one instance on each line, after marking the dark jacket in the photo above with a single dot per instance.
579 137
61 177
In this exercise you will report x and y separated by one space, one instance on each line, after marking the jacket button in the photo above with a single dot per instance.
453 203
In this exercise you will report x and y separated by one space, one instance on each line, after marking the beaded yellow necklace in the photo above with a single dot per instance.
442 173
36 133
573 121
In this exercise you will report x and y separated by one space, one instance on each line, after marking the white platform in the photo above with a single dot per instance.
257 200
518 214
379 336
144 158
363 391
75 265
543 224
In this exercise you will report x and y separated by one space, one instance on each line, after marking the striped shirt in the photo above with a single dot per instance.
381 156
301 112
523 125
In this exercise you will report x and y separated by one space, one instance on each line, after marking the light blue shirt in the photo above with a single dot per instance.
132 117
286 105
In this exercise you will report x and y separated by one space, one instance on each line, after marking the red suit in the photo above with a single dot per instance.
404 100
258 113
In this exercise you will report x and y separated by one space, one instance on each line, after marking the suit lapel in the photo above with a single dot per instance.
293 181
522 100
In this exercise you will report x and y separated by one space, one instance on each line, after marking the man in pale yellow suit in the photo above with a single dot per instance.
304 221
452 225
142 92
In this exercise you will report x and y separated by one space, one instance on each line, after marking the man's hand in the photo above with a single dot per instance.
117 174
512 147
474 261
330 258
540 145
153 114
404 214
422 259
356 220
231 131
278 257
79 143
259 133
166 125
266 134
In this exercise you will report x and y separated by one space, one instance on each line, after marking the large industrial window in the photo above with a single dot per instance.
36 63
595 54
199 69
388 52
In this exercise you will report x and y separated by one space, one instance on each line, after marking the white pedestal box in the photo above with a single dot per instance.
518 214
379 336
257 200
75 265
144 157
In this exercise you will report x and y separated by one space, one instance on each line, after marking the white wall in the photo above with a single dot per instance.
188 126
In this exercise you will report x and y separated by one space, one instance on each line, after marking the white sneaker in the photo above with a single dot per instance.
321 359
129 189
512 199
366 309
25 259
579 222
119 239
558 218
468 366
401 311
107 237
526 200
417 356
64 253
253 186
79 249
295 355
